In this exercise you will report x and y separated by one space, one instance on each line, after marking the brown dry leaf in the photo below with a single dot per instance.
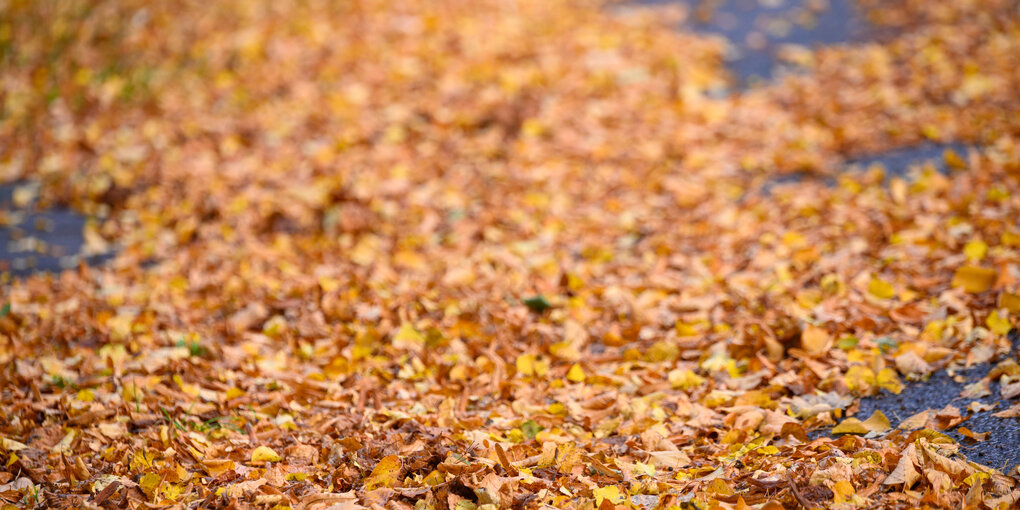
977 436
906 472
917 421
1012 412
910 363
815 340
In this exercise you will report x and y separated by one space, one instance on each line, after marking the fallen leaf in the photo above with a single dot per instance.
815 340
1012 412
916 421
975 279
385 474
906 469
264 454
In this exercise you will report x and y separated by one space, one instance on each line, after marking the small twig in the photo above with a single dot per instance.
797 495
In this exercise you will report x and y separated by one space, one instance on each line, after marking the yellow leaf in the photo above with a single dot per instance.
1010 302
975 250
576 374
64 446
216 467
531 365
859 378
998 323
172 491
189 389
684 379
953 160
131 392
850 426
329 284
888 379
640 468
12 445
975 279
815 340
142 459
610 493
719 486
685 329
233 392
716 398
532 128
286 421
265 454
842 490
881 289
148 483
565 350
275 326
409 338
385 474
878 422
662 351
86 395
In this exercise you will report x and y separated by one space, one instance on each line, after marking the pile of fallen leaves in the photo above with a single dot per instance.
500 254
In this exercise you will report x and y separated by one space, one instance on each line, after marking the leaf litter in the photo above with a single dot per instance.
444 254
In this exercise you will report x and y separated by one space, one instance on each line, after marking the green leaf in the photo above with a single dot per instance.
886 344
848 342
530 429
194 347
537 304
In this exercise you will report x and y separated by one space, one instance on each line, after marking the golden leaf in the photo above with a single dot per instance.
881 288
385 474
997 323
975 250
576 373
815 340
265 454
975 279
609 493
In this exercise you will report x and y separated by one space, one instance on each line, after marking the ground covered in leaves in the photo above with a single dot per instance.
502 254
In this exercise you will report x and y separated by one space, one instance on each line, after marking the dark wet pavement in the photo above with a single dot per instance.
758 29
1001 450
898 162
31 240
